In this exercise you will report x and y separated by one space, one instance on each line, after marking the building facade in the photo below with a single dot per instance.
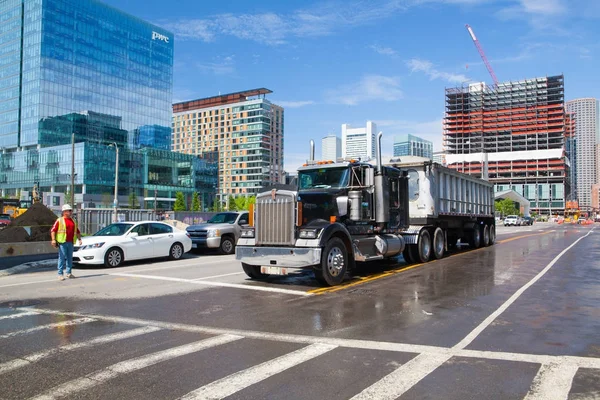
359 143
521 128
81 68
331 147
439 157
242 131
586 114
410 145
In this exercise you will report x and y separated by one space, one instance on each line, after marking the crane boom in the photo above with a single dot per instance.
482 54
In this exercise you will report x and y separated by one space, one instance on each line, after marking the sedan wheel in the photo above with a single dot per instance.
113 257
176 251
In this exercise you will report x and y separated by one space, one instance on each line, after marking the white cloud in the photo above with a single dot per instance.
384 51
369 88
427 67
294 104
220 65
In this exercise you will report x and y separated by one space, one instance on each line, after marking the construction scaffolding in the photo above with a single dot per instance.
518 122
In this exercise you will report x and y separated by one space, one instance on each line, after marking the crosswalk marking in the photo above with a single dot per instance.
234 383
552 382
19 315
403 378
48 326
124 367
26 360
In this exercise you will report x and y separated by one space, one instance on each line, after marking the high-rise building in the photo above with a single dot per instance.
439 157
331 147
82 68
586 113
359 143
410 145
521 128
243 131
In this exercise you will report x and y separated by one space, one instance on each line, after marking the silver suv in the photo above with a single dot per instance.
220 232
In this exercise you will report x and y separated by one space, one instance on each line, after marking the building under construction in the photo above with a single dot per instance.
521 128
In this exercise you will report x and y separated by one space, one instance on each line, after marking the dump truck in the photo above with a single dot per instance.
349 211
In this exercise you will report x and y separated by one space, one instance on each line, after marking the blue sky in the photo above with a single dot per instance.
335 62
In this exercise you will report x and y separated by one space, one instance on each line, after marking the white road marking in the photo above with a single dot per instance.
218 284
32 358
234 383
31 283
19 315
202 262
135 364
582 362
218 276
402 379
552 382
49 326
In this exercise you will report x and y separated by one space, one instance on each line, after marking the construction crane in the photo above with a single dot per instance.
482 54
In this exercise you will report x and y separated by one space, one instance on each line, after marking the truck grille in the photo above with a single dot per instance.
275 219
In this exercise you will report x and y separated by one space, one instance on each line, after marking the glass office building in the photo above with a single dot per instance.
410 145
82 68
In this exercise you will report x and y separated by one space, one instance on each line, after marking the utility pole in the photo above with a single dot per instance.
72 200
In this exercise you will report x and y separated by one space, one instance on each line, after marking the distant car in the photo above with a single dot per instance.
125 241
4 220
221 232
527 221
511 220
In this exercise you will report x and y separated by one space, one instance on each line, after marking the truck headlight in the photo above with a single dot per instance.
309 233
248 233
212 233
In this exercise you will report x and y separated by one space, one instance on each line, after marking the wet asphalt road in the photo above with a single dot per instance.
516 320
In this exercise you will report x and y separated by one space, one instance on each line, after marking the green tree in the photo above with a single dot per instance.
231 206
243 202
506 207
179 202
133 200
195 202
216 207
67 196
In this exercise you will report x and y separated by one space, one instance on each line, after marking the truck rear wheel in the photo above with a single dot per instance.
438 243
407 255
334 263
253 271
492 234
486 235
475 240
423 247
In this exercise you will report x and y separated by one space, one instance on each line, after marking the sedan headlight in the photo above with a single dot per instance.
92 246
248 233
309 233
212 233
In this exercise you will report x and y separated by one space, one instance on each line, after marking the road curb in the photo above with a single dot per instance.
29 265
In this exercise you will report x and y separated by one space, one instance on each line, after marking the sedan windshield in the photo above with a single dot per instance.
114 230
223 218
323 178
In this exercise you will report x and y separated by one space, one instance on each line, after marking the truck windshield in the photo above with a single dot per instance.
323 178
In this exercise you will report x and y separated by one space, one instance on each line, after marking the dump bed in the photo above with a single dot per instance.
436 191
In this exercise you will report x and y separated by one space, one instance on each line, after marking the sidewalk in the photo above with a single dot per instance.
12 265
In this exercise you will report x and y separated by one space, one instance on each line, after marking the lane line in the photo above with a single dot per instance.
217 284
84 320
19 315
234 383
29 283
552 382
475 332
35 357
128 366
402 379
218 276
201 263
582 362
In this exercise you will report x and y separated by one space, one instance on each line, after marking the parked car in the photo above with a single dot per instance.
511 220
527 221
4 220
221 232
127 241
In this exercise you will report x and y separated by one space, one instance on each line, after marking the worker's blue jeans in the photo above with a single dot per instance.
65 257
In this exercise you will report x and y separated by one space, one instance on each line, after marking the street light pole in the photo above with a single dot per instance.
116 199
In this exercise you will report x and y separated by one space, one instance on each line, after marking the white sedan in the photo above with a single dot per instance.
127 241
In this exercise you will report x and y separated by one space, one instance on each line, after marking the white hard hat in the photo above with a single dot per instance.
67 207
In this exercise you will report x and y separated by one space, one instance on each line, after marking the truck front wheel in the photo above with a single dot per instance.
334 263
253 271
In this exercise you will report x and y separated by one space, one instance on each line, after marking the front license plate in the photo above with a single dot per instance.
273 270
194 246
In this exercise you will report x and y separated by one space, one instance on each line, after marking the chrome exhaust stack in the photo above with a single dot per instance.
382 207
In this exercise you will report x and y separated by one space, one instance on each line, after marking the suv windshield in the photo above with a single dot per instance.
114 230
5 216
223 218
323 178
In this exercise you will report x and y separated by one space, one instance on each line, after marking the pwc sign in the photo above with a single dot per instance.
160 36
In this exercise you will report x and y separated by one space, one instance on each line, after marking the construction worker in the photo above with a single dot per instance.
64 235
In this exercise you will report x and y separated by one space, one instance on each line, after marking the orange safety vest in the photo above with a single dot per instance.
61 233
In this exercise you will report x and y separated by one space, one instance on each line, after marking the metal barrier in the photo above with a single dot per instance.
91 220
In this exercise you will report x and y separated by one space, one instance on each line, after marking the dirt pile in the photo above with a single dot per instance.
31 226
